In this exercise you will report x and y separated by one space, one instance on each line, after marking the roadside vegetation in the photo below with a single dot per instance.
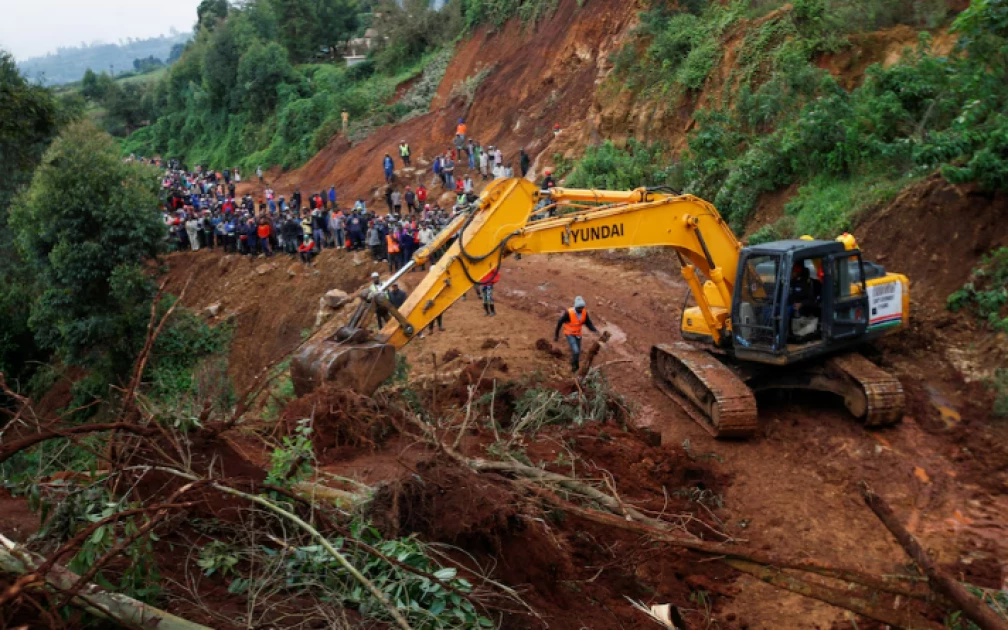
779 119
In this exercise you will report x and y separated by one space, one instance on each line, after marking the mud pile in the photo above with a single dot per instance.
271 302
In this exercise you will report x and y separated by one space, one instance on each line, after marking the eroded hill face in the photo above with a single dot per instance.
537 79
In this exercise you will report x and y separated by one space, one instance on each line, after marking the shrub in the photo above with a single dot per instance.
986 294
608 167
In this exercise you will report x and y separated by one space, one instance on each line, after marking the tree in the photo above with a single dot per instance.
335 21
209 13
262 69
85 225
29 118
297 26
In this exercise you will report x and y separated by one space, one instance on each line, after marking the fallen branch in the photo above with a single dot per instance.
972 608
895 585
116 607
316 534
12 448
864 606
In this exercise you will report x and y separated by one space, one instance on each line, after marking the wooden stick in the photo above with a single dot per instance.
972 608
316 534
593 351
863 606
107 605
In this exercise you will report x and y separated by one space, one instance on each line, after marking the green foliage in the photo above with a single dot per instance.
538 407
413 30
293 461
497 12
236 97
606 166
825 208
75 509
782 229
29 118
184 346
210 12
85 226
684 46
427 604
986 294
218 557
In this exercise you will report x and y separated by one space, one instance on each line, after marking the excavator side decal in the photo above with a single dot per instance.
886 304
596 233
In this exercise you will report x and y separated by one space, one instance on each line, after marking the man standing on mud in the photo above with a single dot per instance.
572 321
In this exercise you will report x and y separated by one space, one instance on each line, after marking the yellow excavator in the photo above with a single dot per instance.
780 315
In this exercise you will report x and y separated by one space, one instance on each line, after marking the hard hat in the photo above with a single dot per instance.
548 171
375 275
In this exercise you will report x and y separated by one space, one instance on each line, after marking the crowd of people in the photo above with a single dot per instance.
202 211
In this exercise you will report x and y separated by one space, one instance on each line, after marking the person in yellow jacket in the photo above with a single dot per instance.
572 322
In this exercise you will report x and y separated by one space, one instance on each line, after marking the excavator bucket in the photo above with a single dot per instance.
357 362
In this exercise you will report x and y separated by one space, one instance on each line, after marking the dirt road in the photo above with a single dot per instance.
794 486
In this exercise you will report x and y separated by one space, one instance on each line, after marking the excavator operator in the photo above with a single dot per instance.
572 321
805 314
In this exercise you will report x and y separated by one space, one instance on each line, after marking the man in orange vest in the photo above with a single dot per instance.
572 321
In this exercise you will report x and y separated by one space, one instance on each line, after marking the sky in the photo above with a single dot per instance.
30 28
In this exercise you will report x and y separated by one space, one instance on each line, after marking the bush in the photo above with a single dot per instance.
608 167
986 294
826 208
86 223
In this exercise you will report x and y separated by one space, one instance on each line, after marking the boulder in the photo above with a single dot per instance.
336 299
264 269
213 309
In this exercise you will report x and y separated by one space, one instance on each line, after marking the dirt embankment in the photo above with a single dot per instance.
539 77
271 302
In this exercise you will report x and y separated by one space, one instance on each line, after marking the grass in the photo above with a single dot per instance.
827 207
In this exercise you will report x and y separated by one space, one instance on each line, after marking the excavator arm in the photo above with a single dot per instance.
499 227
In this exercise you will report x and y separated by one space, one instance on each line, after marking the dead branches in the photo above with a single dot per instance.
10 449
314 533
113 606
972 608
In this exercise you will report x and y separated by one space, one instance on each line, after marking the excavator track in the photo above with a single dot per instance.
705 388
873 394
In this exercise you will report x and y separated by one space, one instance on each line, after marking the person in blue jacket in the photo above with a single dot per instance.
389 167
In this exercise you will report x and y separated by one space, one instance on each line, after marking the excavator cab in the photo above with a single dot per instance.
798 299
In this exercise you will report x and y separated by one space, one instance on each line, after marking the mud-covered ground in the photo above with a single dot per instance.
791 489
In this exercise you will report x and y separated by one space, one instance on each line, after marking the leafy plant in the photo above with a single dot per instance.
596 402
293 461
986 294
217 557
609 167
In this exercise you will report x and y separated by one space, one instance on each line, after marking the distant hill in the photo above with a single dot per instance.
67 65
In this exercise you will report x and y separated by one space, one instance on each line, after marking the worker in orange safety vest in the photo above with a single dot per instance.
572 322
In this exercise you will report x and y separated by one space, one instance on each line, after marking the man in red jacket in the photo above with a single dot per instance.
486 291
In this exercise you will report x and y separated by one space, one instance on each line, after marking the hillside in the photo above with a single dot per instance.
68 64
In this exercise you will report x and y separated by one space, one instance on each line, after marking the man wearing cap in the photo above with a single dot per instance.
404 153
572 322
381 314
